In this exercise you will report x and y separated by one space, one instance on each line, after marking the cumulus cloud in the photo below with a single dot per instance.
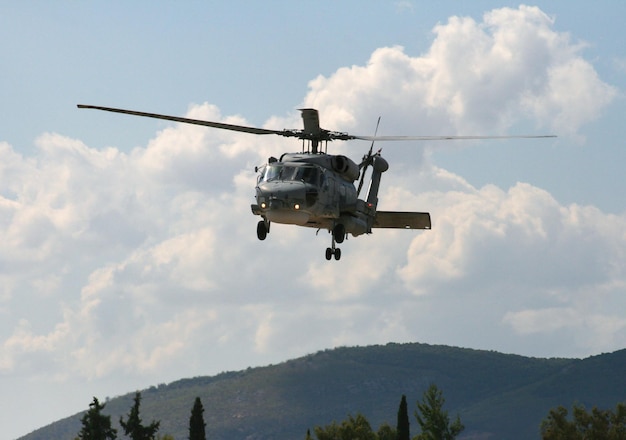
147 262
538 242
476 78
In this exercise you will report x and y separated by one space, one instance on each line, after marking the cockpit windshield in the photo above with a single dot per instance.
305 173
271 172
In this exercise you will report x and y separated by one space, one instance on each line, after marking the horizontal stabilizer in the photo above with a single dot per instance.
402 220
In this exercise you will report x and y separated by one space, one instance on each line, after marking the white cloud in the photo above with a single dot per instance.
603 331
476 78
532 237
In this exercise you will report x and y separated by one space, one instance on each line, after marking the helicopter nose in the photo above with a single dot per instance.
282 195
284 202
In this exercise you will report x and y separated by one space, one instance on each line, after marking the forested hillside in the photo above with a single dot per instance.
498 396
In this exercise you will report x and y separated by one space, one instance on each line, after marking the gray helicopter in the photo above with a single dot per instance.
316 189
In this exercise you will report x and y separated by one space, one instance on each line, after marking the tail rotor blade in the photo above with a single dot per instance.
367 160
358 191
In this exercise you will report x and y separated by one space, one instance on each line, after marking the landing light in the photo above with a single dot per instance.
263 205
296 206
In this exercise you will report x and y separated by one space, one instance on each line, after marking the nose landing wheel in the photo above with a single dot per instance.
262 229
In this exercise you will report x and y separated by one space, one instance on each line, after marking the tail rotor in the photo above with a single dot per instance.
367 160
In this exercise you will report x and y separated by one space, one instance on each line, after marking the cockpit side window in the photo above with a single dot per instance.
271 172
309 174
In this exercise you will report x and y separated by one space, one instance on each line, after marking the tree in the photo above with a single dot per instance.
133 427
433 420
597 424
386 432
196 422
353 428
402 428
96 426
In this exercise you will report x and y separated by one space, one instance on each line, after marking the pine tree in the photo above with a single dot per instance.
133 427
196 422
96 426
402 428
433 420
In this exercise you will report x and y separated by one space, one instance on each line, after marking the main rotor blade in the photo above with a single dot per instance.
447 138
311 121
312 130
221 125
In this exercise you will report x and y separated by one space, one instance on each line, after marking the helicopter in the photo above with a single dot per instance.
315 189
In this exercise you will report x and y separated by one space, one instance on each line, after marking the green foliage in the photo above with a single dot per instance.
352 428
96 426
133 427
386 432
433 420
196 422
402 427
595 425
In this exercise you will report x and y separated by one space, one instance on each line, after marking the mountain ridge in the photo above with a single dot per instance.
498 396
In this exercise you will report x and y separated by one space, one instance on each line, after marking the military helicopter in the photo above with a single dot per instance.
318 190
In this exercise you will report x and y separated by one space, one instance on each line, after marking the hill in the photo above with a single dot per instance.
498 396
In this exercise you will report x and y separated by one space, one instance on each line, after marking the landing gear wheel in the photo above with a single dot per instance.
337 254
261 230
339 232
329 253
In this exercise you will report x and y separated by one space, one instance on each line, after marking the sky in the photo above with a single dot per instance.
129 253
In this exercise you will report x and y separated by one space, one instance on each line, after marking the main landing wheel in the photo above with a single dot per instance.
330 252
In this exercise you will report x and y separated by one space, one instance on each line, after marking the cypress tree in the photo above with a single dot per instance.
196 422
402 428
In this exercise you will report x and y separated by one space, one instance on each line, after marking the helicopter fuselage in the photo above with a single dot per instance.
314 190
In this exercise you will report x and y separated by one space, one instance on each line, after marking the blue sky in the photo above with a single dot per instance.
130 256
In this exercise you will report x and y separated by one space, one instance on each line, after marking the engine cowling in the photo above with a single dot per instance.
346 167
